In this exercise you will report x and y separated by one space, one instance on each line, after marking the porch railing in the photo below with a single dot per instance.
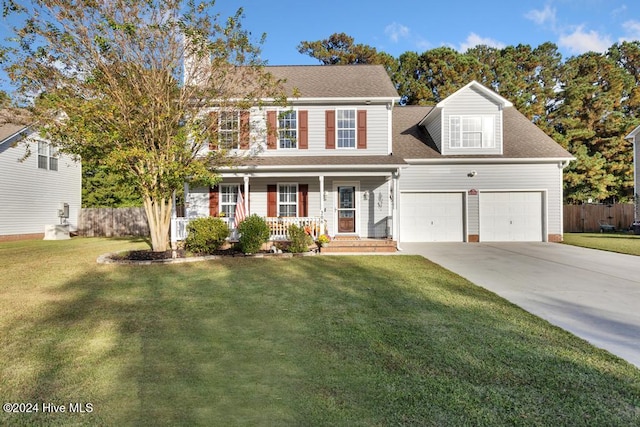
278 226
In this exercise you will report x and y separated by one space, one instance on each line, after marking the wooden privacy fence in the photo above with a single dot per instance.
585 218
113 222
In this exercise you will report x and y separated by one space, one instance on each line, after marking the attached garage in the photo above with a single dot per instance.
431 217
511 216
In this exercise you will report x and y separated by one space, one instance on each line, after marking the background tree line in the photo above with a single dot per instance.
587 103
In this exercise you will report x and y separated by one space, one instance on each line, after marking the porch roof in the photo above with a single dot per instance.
308 163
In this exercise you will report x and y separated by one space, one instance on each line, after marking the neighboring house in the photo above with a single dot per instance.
345 158
634 137
32 188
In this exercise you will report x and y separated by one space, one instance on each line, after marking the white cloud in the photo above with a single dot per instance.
396 31
581 41
546 16
632 31
474 40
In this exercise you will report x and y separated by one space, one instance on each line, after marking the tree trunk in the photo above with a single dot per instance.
159 218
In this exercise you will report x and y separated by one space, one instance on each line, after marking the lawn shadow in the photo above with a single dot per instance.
305 341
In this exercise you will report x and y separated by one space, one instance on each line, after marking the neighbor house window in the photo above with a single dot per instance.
471 132
288 129
288 200
346 127
229 130
47 156
228 199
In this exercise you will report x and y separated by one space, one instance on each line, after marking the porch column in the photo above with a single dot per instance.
395 217
321 178
246 194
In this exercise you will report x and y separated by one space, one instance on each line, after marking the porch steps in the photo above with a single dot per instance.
359 245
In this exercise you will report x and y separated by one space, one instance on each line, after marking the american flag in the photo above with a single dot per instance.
240 213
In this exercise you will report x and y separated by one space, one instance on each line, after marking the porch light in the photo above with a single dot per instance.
365 195
472 174
325 195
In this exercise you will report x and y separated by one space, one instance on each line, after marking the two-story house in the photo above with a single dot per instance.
346 159
38 185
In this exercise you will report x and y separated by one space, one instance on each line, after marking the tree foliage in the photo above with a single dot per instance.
107 78
339 49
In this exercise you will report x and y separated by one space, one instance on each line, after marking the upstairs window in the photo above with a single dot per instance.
288 129
229 130
471 132
47 156
346 128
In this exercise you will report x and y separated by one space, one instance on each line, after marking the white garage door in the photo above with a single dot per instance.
511 217
431 217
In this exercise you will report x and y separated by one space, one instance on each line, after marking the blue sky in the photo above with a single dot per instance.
576 26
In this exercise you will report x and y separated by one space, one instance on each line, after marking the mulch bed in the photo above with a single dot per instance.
149 255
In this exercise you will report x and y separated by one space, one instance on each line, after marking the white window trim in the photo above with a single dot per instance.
236 145
278 203
50 156
355 129
232 205
488 133
297 129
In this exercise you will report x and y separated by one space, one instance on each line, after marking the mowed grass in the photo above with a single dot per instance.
345 341
622 243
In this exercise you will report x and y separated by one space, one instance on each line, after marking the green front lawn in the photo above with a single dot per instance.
613 242
380 340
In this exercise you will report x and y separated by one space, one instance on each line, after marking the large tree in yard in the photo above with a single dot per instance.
109 82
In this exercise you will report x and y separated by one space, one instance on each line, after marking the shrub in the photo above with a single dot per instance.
299 238
206 235
254 232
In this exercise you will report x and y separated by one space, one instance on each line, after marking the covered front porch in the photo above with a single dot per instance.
343 205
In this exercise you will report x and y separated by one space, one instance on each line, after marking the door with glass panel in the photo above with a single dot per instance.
346 209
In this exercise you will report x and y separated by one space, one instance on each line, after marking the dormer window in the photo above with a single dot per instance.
472 132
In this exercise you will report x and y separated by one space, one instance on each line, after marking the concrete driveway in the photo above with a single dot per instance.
593 294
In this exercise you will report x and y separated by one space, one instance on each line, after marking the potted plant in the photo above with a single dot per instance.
323 240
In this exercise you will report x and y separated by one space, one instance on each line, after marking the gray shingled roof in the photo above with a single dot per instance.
522 139
336 81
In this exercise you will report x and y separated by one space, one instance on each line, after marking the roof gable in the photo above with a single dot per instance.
473 85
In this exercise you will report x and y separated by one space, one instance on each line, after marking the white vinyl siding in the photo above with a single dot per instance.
490 177
378 131
476 108
31 195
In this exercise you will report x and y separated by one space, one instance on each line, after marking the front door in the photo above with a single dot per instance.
347 209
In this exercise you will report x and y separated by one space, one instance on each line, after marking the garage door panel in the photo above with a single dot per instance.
431 217
511 216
